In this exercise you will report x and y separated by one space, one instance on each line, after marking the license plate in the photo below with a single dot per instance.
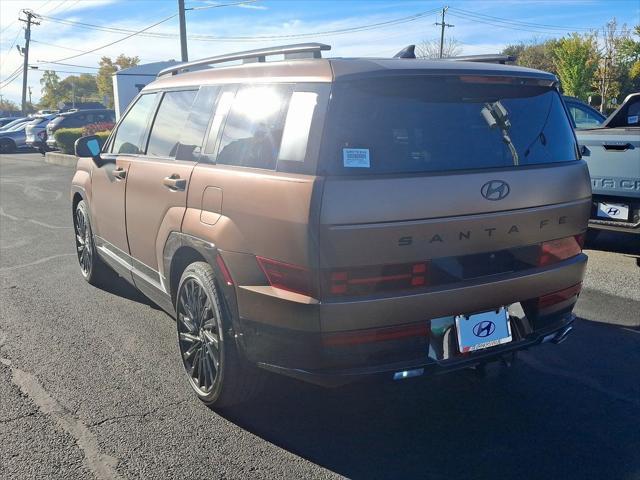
483 330
616 211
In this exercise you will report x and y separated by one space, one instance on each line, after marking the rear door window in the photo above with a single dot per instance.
131 131
192 136
434 124
169 123
254 126
76 120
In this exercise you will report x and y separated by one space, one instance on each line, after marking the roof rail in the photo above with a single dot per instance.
490 58
298 50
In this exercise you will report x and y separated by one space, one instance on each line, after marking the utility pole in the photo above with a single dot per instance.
443 24
183 32
25 52
29 95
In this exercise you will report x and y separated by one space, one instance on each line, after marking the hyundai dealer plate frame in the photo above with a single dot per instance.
483 330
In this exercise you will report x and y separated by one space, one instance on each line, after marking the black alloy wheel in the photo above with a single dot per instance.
84 241
199 336
218 371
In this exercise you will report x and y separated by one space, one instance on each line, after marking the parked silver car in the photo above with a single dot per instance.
13 139
14 123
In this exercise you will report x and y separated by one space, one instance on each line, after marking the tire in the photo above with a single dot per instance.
217 372
7 146
92 268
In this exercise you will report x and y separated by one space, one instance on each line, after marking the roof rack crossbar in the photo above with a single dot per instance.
298 50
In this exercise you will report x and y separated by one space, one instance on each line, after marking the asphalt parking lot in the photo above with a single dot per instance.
91 384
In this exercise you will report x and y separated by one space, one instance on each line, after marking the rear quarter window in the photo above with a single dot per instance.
254 126
434 124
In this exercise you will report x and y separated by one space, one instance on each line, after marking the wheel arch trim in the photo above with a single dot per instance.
208 251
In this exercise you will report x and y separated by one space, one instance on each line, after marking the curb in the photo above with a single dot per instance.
57 158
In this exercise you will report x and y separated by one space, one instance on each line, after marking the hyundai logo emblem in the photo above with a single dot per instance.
613 211
495 190
484 328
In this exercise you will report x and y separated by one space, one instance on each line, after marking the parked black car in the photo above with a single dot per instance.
77 119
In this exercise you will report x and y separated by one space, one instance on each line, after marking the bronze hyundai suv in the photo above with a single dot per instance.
339 219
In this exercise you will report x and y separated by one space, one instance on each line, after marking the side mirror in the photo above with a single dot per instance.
584 151
88 147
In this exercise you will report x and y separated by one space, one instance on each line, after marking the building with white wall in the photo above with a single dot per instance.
128 82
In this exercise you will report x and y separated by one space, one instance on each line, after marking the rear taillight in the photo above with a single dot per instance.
368 280
372 335
559 296
555 251
287 276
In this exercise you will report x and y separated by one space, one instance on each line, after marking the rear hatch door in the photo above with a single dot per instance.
421 168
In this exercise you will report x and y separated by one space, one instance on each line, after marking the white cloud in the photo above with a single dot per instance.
252 6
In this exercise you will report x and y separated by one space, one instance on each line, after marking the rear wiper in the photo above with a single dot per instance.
497 116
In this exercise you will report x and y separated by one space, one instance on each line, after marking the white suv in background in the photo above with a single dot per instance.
36 129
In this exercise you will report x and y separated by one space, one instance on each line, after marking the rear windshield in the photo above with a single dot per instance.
403 125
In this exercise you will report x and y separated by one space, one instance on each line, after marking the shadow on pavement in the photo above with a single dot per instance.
546 417
626 243
114 284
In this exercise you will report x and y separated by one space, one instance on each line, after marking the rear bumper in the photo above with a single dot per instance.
309 355
556 332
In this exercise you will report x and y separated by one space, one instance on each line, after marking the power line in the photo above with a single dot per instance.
207 7
71 5
54 8
519 22
35 68
15 74
255 38
70 65
58 46
510 25
12 45
116 41
45 4
11 24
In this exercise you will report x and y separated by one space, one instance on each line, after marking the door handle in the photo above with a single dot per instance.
174 182
120 173
618 146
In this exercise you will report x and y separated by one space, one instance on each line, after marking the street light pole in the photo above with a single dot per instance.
183 32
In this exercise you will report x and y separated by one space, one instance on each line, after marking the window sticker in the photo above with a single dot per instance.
356 157
632 119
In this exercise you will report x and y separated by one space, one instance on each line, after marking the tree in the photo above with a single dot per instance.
533 54
78 88
576 59
108 67
8 106
50 83
612 70
629 63
431 48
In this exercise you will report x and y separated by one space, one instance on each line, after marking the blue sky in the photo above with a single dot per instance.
480 26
